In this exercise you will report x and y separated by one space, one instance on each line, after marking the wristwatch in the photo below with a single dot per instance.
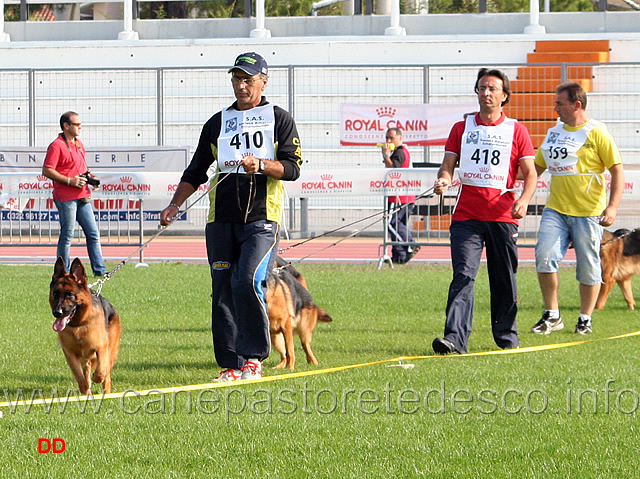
261 167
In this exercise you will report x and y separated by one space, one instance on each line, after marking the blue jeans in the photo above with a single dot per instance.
70 212
557 231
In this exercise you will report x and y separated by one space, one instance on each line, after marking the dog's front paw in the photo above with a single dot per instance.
280 365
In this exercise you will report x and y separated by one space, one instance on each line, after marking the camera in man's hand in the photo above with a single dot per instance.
95 182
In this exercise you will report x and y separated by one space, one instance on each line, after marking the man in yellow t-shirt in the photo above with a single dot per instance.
576 152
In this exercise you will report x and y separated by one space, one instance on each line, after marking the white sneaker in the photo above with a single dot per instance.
228 375
252 369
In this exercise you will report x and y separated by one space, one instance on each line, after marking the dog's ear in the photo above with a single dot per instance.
77 270
58 269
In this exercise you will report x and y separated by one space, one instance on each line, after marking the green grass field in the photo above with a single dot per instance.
566 412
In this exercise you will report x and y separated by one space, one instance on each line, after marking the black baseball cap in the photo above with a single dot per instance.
250 63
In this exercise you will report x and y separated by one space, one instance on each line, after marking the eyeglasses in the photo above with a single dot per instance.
75 124
247 81
491 89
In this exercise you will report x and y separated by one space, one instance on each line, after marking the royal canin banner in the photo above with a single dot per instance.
406 181
17 189
422 125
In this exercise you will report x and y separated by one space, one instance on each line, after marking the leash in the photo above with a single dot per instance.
250 197
100 282
385 214
426 194
618 238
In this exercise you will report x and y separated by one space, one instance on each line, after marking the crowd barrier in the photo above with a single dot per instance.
125 204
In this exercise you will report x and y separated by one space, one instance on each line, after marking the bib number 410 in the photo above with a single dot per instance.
247 140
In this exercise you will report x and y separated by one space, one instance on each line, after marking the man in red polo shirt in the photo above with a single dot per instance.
489 149
66 165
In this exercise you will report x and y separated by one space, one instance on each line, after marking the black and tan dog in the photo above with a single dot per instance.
291 311
88 326
620 258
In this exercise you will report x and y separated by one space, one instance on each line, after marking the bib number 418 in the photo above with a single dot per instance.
485 157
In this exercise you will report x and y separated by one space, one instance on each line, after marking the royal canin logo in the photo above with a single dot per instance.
484 169
327 183
42 178
126 184
386 111
395 175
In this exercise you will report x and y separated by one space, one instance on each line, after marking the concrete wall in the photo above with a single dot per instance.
281 52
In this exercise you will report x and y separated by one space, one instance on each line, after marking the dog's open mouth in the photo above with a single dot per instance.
61 323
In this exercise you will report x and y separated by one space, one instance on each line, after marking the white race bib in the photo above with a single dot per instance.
560 149
242 133
485 154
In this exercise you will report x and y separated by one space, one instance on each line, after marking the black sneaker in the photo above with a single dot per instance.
443 346
547 325
412 253
584 326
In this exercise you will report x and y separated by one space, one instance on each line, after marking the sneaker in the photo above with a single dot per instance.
228 375
412 253
443 346
547 325
584 326
252 369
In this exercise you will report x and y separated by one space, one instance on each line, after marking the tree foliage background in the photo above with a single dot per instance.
294 8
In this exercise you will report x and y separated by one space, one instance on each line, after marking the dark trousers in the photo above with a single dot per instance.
241 257
467 241
399 231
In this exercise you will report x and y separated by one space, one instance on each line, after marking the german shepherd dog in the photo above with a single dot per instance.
88 326
620 259
291 311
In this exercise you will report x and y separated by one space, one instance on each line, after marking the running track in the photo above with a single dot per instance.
189 249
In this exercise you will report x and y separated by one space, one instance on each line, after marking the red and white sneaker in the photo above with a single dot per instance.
229 375
252 369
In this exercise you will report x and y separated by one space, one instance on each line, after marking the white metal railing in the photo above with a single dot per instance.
128 32
260 31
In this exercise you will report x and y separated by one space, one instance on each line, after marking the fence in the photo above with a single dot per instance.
120 222
166 106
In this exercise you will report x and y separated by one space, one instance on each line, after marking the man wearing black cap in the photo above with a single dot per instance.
255 146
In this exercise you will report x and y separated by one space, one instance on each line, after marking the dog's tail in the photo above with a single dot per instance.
323 315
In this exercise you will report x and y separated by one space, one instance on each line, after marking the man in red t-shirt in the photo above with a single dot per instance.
488 149
66 165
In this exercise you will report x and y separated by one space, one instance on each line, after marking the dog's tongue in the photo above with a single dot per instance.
60 324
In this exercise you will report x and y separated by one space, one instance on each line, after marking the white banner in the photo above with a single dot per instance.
137 185
118 193
15 188
149 158
421 124
406 181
